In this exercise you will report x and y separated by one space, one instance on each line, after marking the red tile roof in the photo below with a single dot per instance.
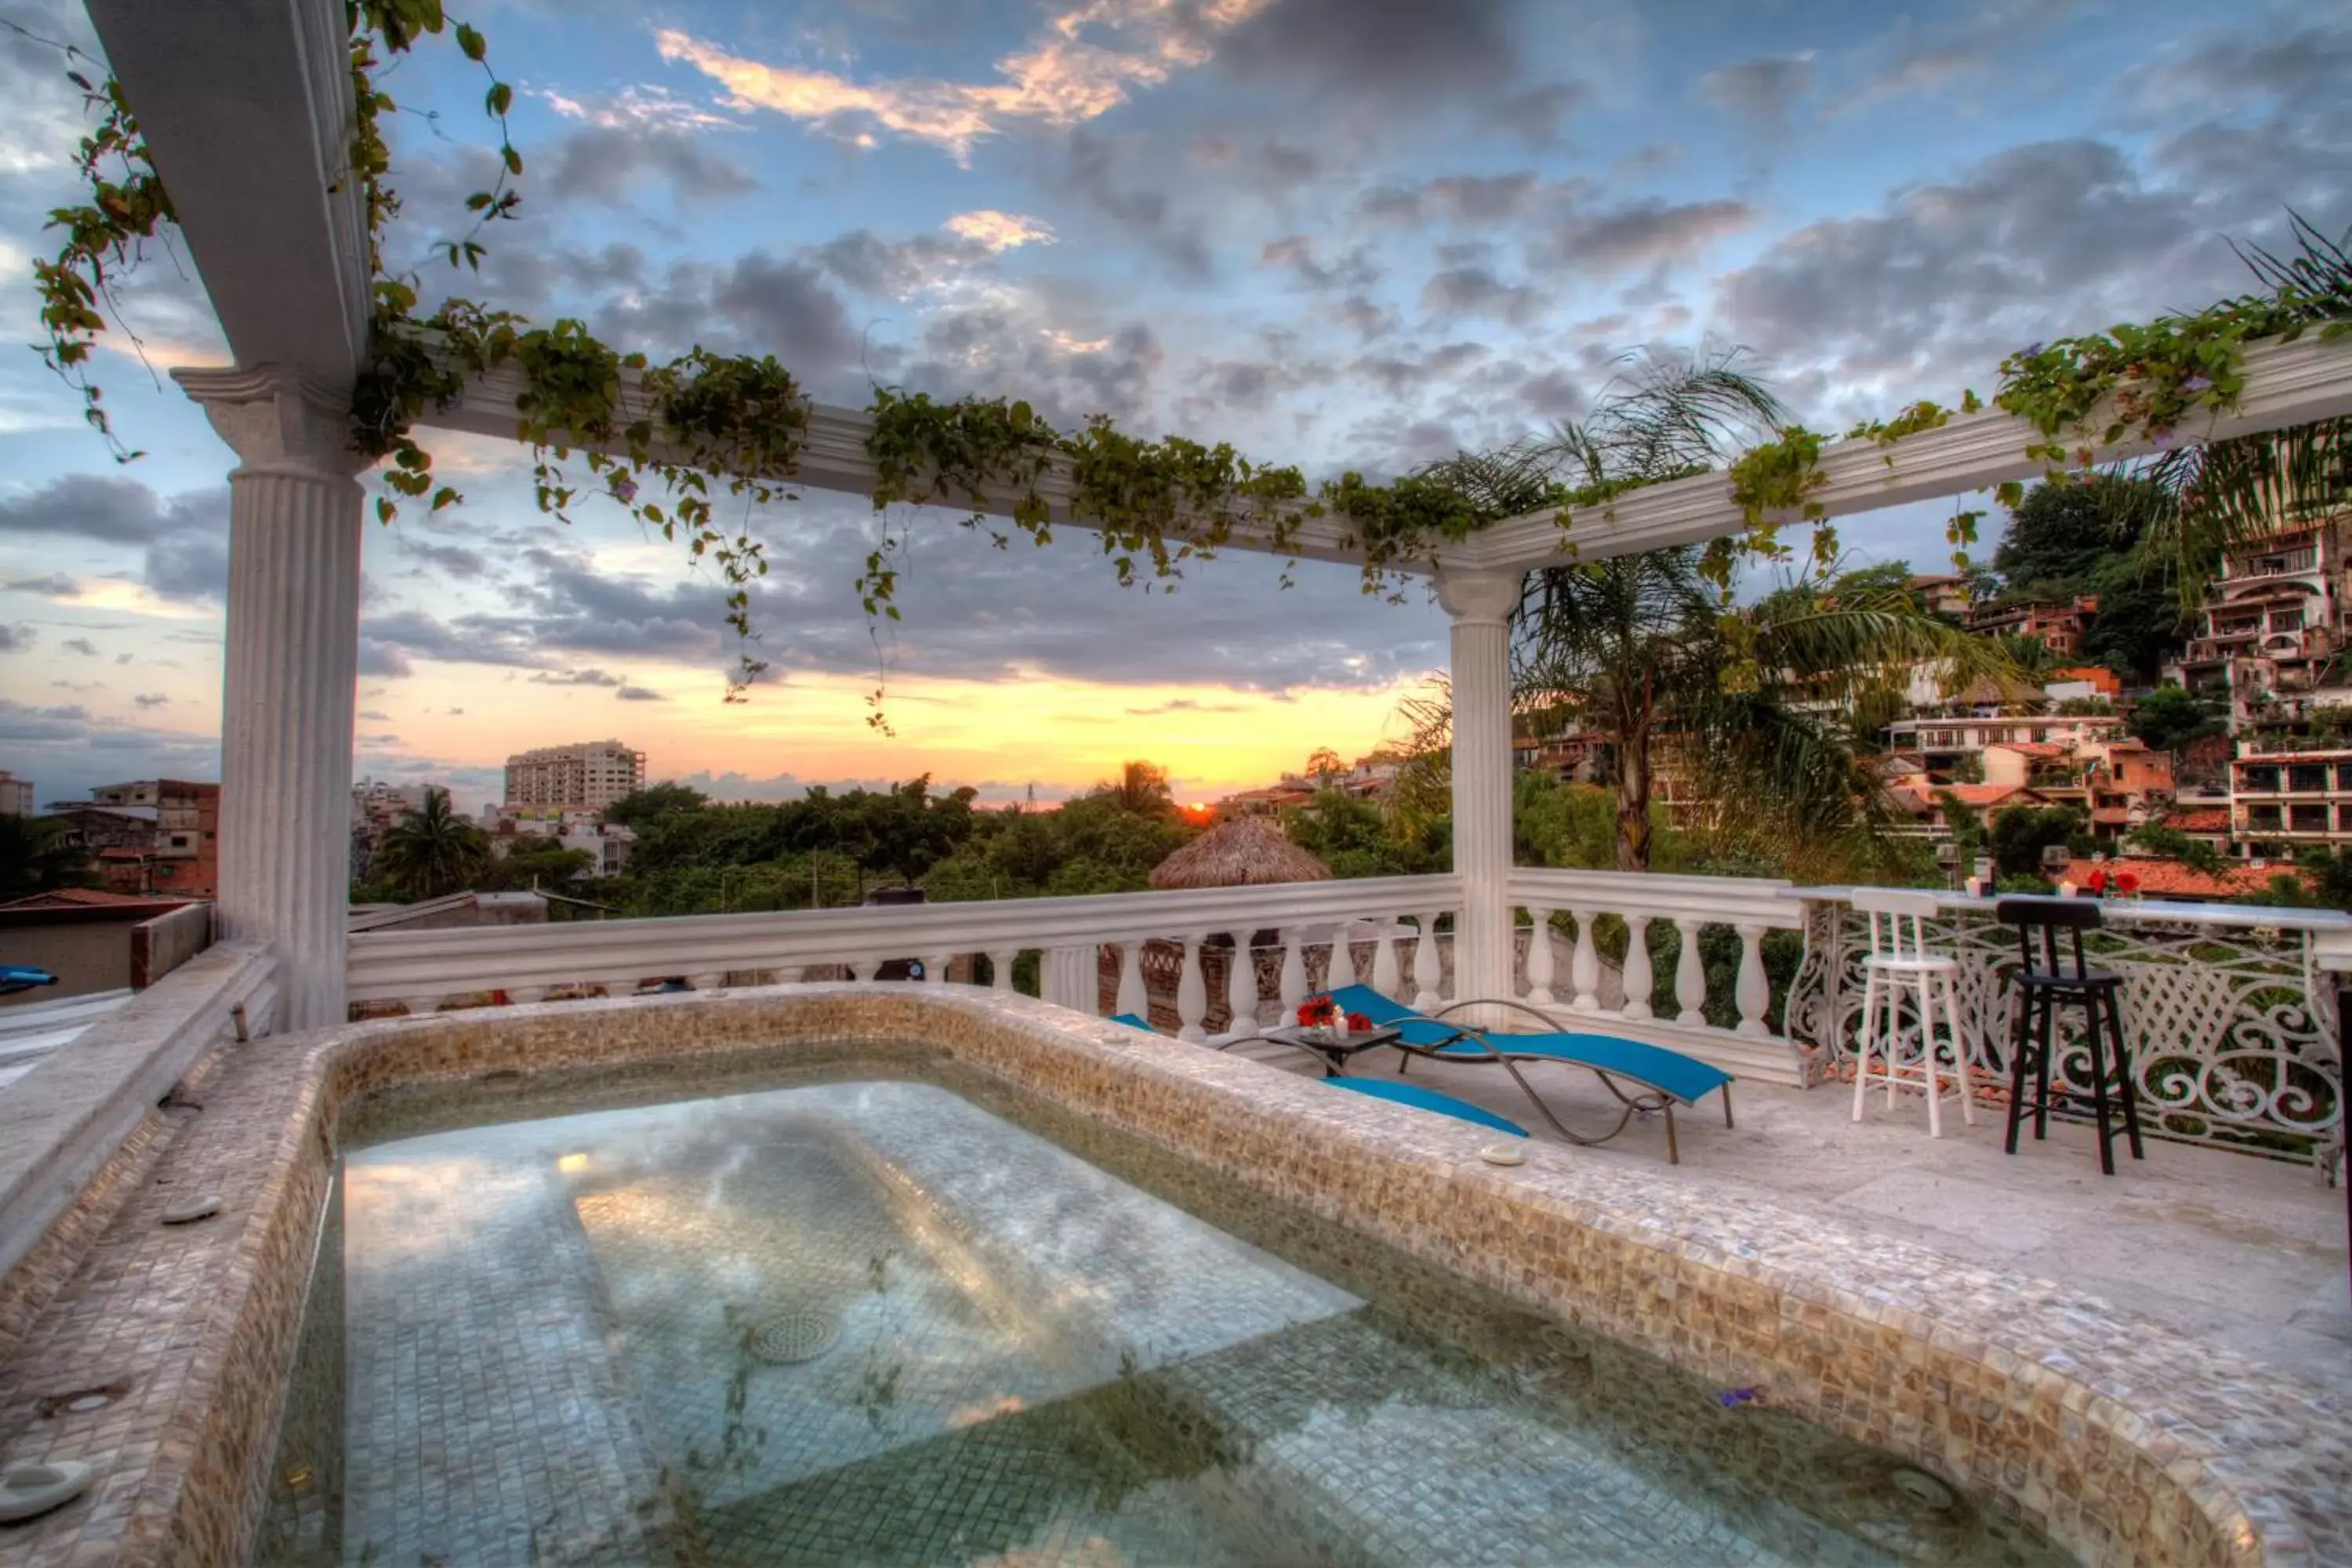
2207 819
89 898
2170 878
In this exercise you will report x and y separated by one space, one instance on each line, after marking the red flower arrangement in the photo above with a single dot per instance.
2101 882
1321 1011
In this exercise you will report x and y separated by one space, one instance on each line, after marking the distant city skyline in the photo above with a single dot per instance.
1342 233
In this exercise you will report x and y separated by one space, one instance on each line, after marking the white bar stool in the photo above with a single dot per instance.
1899 966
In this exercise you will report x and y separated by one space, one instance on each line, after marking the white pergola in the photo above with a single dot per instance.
247 107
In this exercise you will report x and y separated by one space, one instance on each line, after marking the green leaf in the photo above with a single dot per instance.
471 42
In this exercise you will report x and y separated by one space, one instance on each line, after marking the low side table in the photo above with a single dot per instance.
1336 1053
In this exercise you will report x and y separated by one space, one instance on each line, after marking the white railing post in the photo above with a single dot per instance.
862 969
1540 965
1241 988
1193 993
1000 967
1690 977
1068 979
1584 968
1134 996
1341 970
1292 988
1755 992
1387 977
1428 965
524 995
708 980
935 968
791 973
1638 980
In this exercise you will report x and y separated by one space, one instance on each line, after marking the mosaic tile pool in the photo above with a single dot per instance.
893 1313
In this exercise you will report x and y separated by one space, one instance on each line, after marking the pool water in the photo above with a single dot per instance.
915 1319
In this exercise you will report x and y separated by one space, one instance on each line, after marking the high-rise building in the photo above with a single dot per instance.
588 775
15 795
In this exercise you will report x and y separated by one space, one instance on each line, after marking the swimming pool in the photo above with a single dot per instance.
920 1319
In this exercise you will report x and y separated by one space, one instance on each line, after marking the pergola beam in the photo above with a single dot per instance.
2286 384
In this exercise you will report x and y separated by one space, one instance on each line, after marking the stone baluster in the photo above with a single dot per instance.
1193 993
709 980
1134 996
419 1007
862 969
524 995
1241 988
1293 986
1000 968
936 967
1540 957
1584 968
1387 977
791 973
1638 980
1755 991
1342 970
1690 977
1427 964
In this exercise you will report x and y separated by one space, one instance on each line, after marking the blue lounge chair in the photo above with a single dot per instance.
1390 1089
15 977
1669 1076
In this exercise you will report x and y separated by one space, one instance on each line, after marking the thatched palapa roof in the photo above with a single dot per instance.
1243 851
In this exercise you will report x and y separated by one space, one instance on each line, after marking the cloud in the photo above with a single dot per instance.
757 304
1355 270
2042 239
1476 199
1398 52
185 537
604 162
639 694
1090 60
56 585
589 676
1760 91
1535 115
18 639
998 231
81 646
1092 171
384 658
372 716
1643 234
644 107
152 699
1460 292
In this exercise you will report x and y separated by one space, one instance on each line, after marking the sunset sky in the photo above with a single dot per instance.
1340 233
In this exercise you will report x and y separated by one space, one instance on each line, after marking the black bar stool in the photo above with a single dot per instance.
2059 977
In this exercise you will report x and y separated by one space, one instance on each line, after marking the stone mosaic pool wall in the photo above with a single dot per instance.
2123 1442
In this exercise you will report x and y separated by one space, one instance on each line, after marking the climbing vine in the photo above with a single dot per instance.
693 447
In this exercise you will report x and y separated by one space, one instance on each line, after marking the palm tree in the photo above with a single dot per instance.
1755 707
2209 496
38 854
1141 789
432 852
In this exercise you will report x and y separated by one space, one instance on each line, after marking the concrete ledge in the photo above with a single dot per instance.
61 1123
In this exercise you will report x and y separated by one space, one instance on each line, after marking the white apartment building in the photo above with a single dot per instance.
15 795
587 775
1942 743
2273 626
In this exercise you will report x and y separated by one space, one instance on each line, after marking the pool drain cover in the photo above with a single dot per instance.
796 1336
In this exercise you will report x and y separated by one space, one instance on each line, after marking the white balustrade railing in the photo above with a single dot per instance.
2229 1012
1602 983
1324 934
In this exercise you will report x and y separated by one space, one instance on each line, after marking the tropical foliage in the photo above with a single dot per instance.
432 852
37 855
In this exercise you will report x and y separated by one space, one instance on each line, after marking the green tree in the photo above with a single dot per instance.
2160 838
2061 533
643 806
535 863
1141 789
2168 718
38 856
433 851
2021 833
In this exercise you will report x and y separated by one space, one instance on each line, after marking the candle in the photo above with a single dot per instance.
2066 890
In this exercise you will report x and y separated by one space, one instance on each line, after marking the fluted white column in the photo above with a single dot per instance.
290 665
1481 603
